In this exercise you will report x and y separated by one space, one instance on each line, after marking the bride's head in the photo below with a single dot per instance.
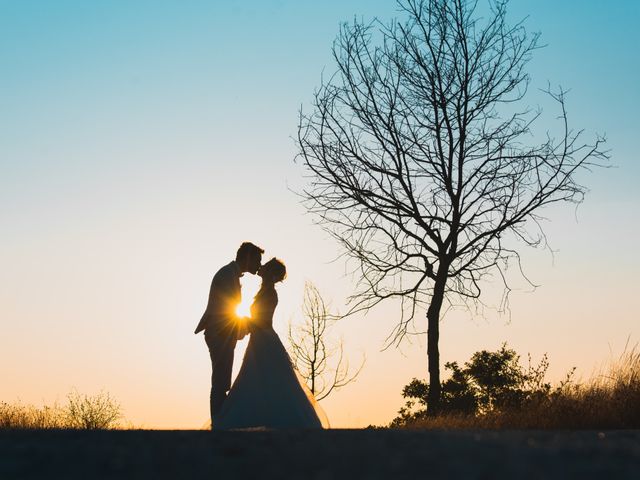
273 271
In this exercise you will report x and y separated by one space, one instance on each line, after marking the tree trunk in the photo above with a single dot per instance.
433 337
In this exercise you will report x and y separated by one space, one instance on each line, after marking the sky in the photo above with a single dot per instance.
142 141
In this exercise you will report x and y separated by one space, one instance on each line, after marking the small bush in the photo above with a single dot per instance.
488 382
92 412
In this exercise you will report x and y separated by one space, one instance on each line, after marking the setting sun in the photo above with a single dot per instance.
250 286
244 308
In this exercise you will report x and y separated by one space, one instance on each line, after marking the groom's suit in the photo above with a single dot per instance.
220 326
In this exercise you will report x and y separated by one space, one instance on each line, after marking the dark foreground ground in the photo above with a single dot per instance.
327 454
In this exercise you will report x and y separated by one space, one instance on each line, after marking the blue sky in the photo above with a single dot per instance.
141 141
153 85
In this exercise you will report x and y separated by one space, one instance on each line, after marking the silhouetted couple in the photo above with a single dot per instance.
267 391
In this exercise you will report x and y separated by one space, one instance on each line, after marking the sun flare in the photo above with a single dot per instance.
250 286
244 308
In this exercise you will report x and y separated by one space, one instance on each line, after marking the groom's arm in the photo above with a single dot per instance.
226 299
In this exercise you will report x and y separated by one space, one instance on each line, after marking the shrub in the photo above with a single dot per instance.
92 412
488 381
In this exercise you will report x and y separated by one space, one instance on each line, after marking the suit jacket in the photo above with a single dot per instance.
224 297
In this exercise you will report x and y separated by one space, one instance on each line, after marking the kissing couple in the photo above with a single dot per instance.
268 392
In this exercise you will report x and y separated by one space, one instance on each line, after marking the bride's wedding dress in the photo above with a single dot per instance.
268 392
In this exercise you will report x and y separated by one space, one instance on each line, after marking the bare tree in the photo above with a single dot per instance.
423 162
323 366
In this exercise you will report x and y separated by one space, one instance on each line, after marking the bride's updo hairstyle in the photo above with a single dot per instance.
275 270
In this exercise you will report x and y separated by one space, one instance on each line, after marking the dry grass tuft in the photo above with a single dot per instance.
89 412
20 416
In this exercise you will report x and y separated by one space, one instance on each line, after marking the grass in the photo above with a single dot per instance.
88 412
18 416
609 400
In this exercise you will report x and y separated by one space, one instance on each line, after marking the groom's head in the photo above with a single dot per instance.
249 257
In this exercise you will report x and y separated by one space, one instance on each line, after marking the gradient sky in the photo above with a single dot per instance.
142 141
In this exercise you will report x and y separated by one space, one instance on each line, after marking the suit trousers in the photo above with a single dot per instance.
221 347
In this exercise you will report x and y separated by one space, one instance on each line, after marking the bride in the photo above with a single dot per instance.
268 392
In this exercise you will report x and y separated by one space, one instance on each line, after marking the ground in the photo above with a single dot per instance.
393 454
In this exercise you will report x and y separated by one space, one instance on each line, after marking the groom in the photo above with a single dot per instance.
220 322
